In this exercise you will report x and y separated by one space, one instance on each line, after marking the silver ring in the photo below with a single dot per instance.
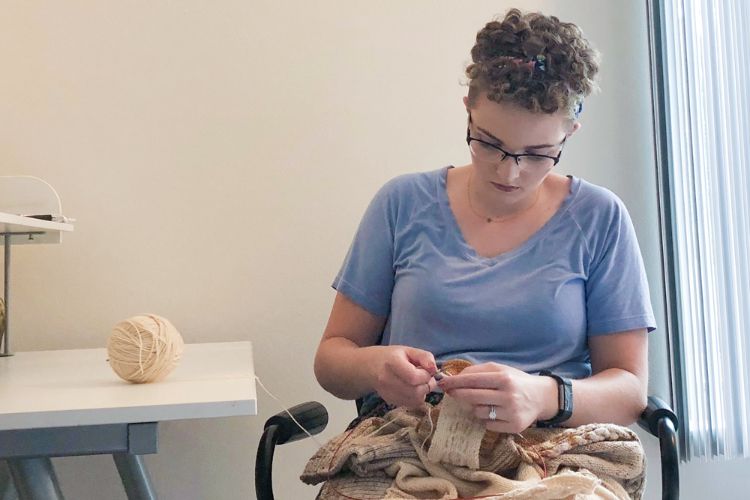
493 412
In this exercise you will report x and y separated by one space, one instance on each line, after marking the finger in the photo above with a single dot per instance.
410 374
482 412
432 385
405 395
479 396
423 359
484 367
418 393
486 380
424 391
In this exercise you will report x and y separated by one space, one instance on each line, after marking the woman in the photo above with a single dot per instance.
502 262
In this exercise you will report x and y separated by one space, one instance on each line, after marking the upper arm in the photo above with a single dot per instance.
626 350
367 275
617 292
353 322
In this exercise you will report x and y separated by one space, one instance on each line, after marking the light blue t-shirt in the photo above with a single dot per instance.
532 308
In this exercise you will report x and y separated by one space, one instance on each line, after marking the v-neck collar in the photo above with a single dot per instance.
469 251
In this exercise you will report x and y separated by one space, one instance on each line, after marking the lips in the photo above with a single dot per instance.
503 187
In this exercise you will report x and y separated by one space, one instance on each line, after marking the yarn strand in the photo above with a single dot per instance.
257 379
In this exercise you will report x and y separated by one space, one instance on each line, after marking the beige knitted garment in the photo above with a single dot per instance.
457 439
445 453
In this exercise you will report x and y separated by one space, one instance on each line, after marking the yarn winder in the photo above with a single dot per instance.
21 195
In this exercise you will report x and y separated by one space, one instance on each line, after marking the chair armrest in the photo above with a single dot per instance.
656 409
281 429
659 420
312 415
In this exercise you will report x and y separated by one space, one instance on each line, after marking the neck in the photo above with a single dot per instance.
499 215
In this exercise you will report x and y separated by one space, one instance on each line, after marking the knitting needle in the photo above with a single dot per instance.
440 374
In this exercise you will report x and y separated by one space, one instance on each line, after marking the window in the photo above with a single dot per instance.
701 63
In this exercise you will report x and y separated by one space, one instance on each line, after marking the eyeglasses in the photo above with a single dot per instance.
492 153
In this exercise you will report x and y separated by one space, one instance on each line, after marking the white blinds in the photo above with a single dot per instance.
706 50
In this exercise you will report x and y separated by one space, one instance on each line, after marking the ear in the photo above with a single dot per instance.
574 128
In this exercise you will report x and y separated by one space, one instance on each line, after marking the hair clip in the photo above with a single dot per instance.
536 62
539 62
579 108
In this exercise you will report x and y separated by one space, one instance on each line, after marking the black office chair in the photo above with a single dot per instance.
658 419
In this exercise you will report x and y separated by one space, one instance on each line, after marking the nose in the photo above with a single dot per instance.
511 163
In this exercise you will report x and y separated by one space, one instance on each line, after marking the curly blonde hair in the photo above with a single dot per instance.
533 60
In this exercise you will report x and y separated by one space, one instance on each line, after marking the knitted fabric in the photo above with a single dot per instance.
385 458
458 437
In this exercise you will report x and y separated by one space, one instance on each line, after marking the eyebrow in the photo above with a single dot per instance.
525 148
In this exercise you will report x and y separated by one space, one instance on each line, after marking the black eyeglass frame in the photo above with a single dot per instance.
516 157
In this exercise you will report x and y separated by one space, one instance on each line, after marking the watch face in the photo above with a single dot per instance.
564 399
567 392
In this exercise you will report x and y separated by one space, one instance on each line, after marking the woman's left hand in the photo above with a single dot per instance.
519 399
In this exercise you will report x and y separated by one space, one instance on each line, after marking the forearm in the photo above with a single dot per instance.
343 368
613 395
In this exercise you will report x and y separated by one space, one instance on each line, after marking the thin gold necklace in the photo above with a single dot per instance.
490 219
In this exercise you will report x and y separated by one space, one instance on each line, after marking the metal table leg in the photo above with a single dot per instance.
134 476
7 491
35 479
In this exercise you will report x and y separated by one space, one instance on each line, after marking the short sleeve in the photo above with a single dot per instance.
367 274
617 295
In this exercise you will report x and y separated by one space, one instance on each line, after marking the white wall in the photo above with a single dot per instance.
218 157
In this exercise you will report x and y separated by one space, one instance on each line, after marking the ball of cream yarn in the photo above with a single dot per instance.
144 348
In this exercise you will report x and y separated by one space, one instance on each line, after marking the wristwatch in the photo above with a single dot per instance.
564 398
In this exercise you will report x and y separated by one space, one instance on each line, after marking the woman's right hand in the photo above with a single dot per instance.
402 375
350 364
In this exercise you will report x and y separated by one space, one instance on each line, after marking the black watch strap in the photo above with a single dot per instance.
564 400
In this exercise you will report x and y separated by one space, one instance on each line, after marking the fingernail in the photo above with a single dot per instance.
438 376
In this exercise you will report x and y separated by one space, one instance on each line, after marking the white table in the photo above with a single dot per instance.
70 402
28 230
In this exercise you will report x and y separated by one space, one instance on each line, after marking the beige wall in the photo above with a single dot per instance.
218 156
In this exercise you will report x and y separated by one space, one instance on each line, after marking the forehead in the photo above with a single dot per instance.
517 127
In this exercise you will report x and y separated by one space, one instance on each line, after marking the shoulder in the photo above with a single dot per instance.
595 207
410 190
423 183
600 217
